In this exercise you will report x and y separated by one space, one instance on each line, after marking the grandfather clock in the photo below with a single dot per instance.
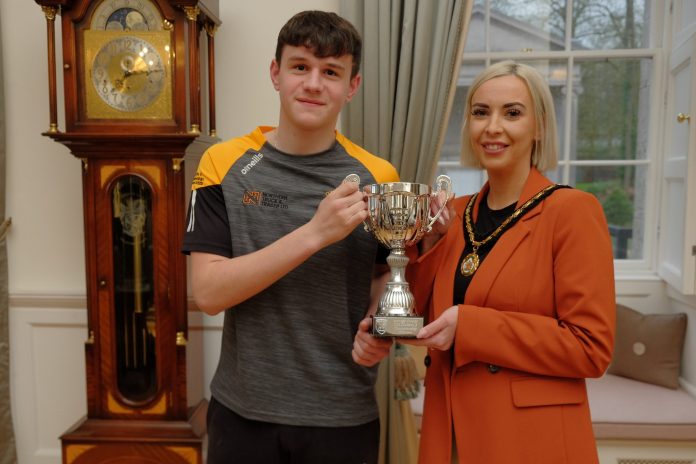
133 109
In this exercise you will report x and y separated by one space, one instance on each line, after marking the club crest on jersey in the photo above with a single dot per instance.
254 159
252 198
265 199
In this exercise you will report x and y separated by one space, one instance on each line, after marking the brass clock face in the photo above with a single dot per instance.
126 15
128 75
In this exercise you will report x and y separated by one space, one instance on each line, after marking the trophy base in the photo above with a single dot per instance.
396 326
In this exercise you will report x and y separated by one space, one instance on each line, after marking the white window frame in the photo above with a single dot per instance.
625 269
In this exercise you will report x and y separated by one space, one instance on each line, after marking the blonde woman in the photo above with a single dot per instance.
518 289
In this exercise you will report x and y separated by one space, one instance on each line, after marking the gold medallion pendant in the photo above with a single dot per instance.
469 264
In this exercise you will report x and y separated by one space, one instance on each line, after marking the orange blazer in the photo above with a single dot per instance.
538 318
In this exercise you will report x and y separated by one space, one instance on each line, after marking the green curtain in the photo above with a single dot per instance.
7 442
411 58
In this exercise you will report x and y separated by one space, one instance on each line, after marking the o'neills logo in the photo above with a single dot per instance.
254 159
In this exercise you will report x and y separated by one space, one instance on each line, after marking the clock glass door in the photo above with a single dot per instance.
134 288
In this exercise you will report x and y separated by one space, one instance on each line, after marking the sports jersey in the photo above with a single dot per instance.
286 352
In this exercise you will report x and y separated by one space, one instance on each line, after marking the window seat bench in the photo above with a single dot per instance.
639 423
632 410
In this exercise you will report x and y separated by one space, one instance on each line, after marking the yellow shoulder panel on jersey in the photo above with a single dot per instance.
217 160
380 168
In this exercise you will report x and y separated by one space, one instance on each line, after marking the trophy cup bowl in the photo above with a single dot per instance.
398 217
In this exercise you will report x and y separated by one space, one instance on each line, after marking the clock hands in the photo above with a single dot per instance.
120 84
129 73
133 65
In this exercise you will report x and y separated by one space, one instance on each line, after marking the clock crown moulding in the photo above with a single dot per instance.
133 66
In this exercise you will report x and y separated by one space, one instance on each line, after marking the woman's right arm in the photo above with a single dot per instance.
427 256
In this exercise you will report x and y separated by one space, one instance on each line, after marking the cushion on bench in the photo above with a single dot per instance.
648 347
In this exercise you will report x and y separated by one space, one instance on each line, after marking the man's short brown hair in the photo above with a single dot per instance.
323 32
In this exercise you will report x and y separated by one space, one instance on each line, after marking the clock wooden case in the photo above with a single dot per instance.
133 111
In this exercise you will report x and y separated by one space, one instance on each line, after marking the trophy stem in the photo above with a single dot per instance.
397 299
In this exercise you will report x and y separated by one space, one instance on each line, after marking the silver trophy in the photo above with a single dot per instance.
398 216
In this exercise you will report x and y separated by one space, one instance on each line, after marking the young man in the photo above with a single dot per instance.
276 243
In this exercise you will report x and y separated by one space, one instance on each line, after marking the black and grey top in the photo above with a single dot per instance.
286 352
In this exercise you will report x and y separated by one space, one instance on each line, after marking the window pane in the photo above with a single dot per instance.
621 190
610 24
450 146
556 175
611 108
537 25
476 36
464 180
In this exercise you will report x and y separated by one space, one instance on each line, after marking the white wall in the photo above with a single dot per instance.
44 200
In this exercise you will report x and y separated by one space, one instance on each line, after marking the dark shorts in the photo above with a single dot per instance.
234 439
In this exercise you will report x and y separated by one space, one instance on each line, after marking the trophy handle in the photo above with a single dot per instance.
443 183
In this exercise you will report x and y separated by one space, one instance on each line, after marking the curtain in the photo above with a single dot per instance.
411 58
7 442
398 442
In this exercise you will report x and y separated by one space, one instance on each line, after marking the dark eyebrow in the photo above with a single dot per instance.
296 59
302 59
336 66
